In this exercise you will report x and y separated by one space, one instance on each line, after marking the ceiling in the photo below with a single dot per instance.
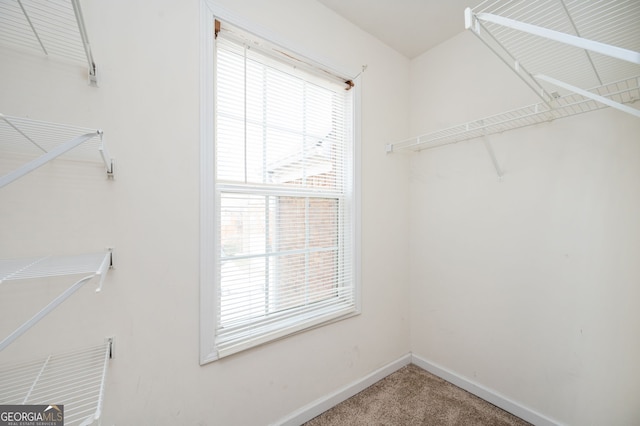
409 26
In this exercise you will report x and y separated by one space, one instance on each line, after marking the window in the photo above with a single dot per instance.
283 187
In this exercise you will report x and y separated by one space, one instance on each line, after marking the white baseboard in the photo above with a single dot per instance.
321 405
484 393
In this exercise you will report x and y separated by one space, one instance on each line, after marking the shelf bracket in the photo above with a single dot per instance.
104 154
492 155
104 266
487 145
46 310
45 158
473 23
107 263
93 77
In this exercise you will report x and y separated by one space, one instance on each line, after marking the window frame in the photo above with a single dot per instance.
208 209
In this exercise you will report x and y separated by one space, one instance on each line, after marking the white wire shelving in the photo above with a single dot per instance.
576 56
580 43
91 265
54 28
74 379
624 92
45 141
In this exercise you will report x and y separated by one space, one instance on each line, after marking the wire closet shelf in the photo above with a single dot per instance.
40 142
623 92
76 377
91 265
576 56
55 28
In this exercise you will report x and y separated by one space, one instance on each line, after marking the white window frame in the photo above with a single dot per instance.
209 11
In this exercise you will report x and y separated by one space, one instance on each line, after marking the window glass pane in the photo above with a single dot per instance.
243 224
256 235
289 288
291 229
323 222
323 275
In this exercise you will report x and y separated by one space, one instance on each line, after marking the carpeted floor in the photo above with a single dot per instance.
413 396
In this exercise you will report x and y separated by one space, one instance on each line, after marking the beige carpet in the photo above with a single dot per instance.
413 396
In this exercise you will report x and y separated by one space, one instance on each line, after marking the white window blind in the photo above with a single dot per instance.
284 195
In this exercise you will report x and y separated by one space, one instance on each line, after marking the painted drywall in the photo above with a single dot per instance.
527 286
148 104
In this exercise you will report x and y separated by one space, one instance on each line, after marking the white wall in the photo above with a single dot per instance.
148 105
529 286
